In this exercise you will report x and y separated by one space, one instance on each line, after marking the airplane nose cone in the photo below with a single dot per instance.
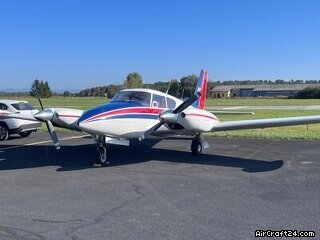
44 115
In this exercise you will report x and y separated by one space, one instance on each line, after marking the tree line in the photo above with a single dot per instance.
178 88
181 88
308 93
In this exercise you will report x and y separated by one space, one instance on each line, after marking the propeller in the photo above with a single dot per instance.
170 116
46 115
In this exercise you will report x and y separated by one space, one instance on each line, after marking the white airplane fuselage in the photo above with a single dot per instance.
129 119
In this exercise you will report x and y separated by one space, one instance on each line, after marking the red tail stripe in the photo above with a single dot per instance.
203 90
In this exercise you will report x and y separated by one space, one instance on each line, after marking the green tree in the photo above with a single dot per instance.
133 80
279 81
308 93
42 88
159 86
66 94
188 85
174 88
113 90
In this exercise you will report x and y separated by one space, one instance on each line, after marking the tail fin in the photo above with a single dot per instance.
202 88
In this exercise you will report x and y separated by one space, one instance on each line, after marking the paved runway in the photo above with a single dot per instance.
159 192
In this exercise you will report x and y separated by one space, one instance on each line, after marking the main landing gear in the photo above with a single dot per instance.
102 157
198 144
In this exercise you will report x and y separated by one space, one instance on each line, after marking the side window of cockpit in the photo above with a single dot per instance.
158 101
171 103
3 106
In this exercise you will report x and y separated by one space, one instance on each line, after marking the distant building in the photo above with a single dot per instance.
272 90
227 91
286 90
220 92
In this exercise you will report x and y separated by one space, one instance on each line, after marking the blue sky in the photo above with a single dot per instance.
78 44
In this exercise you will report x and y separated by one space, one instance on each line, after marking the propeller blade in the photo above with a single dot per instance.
53 134
150 131
46 115
38 97
186 104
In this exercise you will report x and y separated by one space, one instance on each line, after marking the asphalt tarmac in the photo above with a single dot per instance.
157 192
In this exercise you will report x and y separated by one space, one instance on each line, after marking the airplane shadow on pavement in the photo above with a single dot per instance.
72 158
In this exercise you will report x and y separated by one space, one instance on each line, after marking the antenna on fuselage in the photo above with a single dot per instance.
168 87
182 93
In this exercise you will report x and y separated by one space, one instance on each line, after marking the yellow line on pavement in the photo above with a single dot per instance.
42 142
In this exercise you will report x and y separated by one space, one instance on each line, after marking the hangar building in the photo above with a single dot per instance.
271 90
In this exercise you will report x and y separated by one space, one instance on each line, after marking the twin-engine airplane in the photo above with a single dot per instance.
144 113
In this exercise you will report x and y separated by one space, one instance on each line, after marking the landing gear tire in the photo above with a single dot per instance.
196 147
25 134
4 132
102 157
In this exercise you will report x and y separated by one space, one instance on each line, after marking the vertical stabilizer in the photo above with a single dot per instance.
202 90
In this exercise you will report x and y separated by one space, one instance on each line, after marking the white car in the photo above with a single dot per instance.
12 126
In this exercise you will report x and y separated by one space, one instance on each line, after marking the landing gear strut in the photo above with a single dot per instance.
102 157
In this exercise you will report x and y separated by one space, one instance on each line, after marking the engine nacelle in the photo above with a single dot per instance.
66 118
194 119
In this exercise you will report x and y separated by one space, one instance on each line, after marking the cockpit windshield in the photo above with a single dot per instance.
136 96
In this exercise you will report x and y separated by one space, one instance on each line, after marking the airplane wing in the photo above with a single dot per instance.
264 123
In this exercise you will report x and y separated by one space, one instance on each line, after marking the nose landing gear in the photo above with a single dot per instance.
102 157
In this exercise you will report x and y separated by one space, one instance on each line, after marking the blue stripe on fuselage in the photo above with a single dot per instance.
106 108
141 116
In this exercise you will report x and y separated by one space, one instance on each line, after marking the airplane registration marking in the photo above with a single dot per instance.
42 142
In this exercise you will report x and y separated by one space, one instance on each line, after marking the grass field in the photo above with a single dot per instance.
69 102
311 132
260 102
88 102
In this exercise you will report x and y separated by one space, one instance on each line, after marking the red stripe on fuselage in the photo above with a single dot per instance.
201 115
68 116
127 110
